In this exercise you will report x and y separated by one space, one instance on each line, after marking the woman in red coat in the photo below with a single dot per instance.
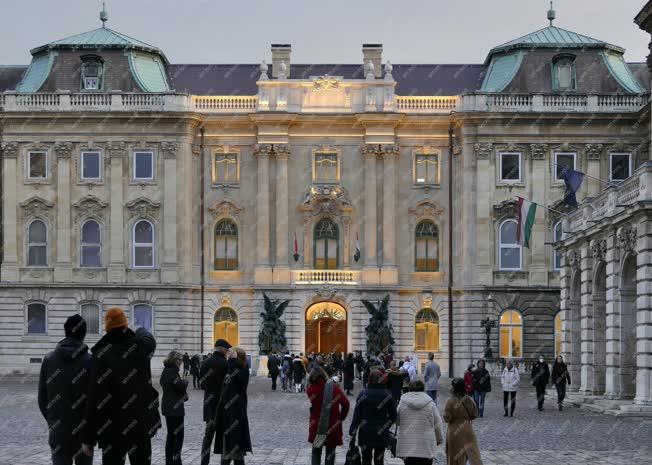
339 410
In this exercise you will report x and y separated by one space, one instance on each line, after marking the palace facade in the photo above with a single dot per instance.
131 181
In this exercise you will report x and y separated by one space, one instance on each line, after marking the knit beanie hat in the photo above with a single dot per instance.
115 318
75 326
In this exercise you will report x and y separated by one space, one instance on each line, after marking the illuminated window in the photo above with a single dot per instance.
326 244
426 247
426 331
563 73
37 244
143 244
91 246
326 167
91 73
226 245
143 317
509 250
511 334
37 318
225 167
556 254
426 168
225 325
558 334
91 313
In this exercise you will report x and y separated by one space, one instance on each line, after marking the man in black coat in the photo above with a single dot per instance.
273 363
62 393
186 364
122 409
540 378
211 379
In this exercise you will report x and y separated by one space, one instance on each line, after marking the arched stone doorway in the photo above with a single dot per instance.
326 329
599 330
225 325
627 372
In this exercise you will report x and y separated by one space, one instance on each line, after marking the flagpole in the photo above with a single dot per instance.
589 176
543 206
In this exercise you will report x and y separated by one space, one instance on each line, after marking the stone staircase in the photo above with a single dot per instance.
599 404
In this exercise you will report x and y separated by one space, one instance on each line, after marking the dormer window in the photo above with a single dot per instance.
91 73
563 73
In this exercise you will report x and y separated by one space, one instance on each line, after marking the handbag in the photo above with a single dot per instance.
353 456
392 441
324 416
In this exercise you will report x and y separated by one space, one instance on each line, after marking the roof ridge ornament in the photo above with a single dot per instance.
104 15
551 14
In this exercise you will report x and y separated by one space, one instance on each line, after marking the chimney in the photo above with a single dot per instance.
373 53
281 53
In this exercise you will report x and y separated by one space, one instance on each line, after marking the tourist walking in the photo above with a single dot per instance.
373 416
560 376
273 367
510 380
186 364
461 443
359 365
175 393
194 370
409 368
212 373
468 380
285 372
232 438
298 373
120 375
349 374
540 377
420 427
481 385
431 375
62 387
328 409
395 381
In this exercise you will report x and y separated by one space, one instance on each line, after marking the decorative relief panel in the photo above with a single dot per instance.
263 149
483 150
505 208
116 149
593 151
169 149
63 149
143 207
89 206
573 259
37 207
598 249
627 239
538 151
225 208
10 149
426 209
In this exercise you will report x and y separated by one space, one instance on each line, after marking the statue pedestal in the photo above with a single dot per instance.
262 366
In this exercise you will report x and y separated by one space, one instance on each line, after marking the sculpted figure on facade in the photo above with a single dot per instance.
598 249
627 239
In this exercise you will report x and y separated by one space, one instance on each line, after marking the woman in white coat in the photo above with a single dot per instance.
420 427
510 379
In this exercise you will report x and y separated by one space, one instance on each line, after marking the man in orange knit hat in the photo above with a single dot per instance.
122 408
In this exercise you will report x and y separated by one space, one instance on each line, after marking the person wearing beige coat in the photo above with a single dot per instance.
420 427
461 443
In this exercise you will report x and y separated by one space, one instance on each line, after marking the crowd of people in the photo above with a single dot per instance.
106 398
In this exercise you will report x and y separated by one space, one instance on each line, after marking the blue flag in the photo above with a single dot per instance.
572 180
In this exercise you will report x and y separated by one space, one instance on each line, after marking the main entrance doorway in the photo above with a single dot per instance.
326 328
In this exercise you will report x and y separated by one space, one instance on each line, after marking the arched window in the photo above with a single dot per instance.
91 244
144 317
37 244
91 313
563 73
226 245
556 254
225 325
326 245
511 334
510 252
558 334
426 247
143 244
426 330
37 322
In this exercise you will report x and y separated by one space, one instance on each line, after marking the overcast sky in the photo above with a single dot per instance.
326 31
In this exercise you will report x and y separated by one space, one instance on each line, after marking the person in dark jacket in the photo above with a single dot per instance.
194 370
540 377
232 438
211 379
373 416
186 364
560 376
481 385
175 393
359 364
298 373
62 393
273 363
349 374
396 378
122 408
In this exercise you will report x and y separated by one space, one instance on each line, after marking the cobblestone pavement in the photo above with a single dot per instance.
279 431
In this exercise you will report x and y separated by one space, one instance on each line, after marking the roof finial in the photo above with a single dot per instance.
104 16
551 14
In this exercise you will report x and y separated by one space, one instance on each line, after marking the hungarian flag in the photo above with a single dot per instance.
526 212
356 256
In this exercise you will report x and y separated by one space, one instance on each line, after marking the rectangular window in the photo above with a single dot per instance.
510 167
91 313
36 319
620 166
326 167
225 168
426 168
563 160
144 166
37 165
90 165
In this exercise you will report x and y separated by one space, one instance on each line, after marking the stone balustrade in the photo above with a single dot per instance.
350 277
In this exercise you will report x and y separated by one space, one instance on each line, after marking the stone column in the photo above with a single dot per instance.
117 151
370 273
389 270
63 263
263 270
9 209
586 316
281 267
644 314
169 265
593 154
484 225
540 253
613 387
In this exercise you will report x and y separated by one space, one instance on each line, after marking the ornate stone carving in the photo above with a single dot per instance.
593 151
573 259
326 292
10 149
426 209
326 200
598 248
457 147
371 150
483 150
281 150
169 149
63 149
263 149
325 82
426 301
116 149
225 208
37 207
89 206
390 150
143 207
196 149
505 208
627 239
538 151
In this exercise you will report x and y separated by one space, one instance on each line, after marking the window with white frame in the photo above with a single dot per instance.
144 165
511 334
426 168
509 250
225 168
143 244
91 244
563 160
426 252
226 245
37 165
143 317
91 314
91 73
37 318
37 244
326 167
556 254
510 167
620 166
91 166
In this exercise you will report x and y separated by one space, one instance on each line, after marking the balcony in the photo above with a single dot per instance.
553 103
339 277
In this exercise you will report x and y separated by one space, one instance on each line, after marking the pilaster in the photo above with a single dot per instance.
281 267
537 182
644 314
613 387
586 315
593 154
484 223
169 265
117 151
389 270
63 264
263 270
9 209
370 272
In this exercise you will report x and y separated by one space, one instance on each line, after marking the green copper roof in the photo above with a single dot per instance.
100 38
37 73
621 72
501 71
148 71
553 37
